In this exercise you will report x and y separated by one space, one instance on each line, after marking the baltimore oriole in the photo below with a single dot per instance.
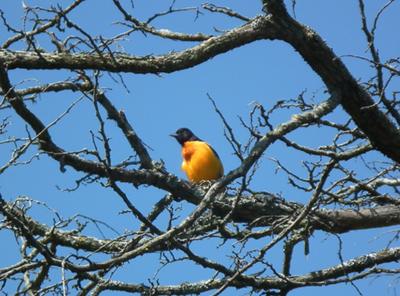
200 161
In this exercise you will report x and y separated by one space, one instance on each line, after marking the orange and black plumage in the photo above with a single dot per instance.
200 161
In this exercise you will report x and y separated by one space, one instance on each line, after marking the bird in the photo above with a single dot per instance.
200 161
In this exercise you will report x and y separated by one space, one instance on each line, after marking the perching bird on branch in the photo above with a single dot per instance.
200 161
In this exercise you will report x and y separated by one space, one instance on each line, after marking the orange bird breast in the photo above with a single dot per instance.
200 162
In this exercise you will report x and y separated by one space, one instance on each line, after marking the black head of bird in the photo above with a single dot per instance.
183 135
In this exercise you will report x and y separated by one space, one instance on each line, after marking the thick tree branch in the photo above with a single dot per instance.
254 30
347 220
262 208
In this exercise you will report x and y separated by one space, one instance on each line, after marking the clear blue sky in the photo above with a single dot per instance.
262 72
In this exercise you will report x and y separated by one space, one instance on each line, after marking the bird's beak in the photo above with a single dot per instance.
174 135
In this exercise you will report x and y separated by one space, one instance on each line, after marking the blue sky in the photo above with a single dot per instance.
264 72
